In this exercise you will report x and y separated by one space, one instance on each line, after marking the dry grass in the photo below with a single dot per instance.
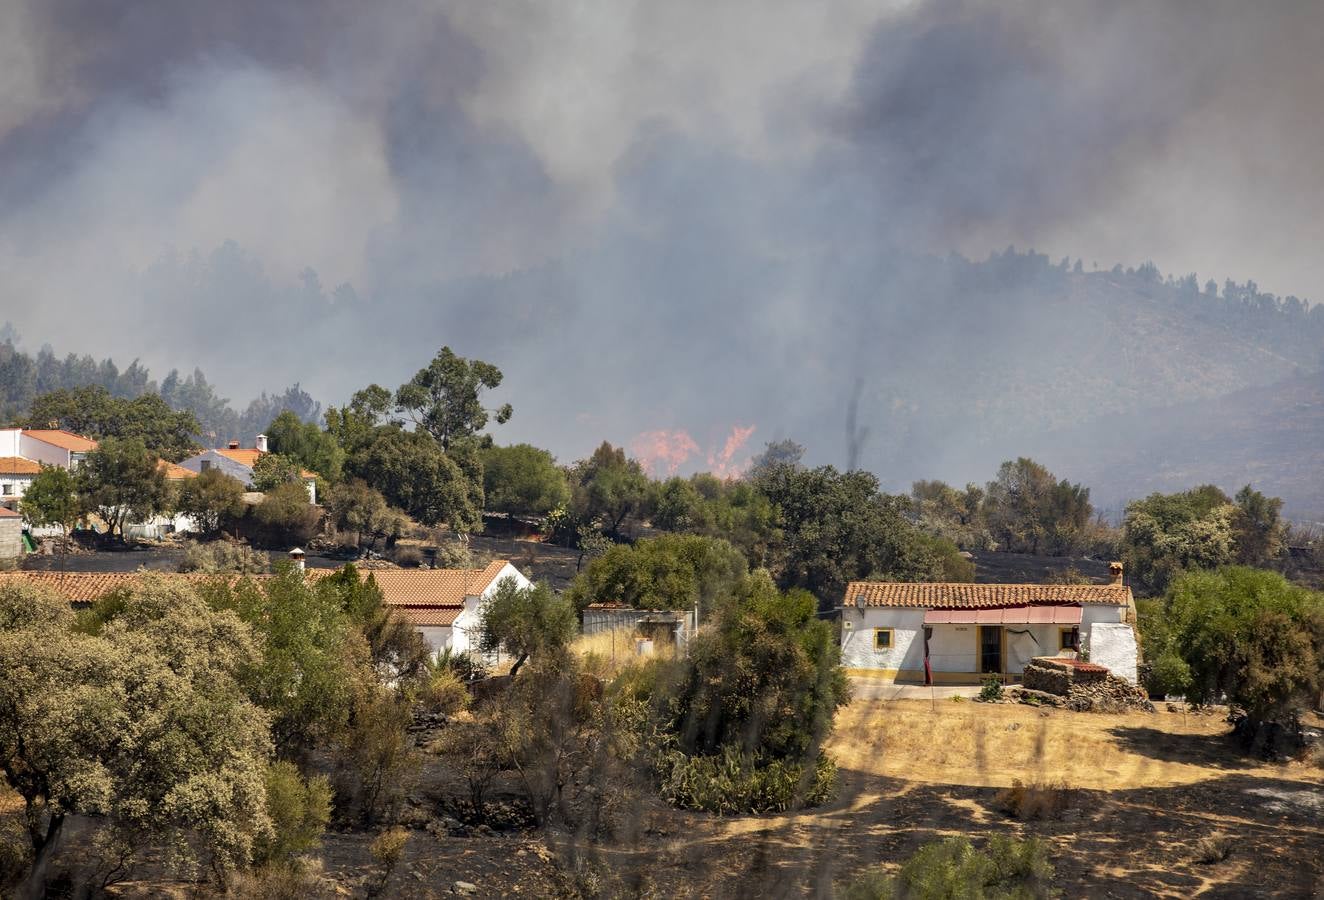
987 745
1034 800
1213 848
612 651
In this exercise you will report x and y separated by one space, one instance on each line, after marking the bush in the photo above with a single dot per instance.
466 666
1033 801
1213 848
224 558
729 783
408 557
953 868
387 849
299 811
282 882
991 691
444 692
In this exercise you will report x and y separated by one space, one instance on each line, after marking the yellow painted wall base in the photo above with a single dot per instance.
916 676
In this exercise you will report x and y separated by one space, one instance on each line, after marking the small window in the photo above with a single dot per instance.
204 465
882 639
1067 638
6 489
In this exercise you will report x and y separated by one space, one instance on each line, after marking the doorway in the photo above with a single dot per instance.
990 649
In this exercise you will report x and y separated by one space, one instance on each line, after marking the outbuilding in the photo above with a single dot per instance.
948 633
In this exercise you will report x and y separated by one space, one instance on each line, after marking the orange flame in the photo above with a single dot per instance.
720 464
663 452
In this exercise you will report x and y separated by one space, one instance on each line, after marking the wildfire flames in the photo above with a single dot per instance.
663 452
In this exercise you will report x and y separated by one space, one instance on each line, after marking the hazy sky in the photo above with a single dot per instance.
677 175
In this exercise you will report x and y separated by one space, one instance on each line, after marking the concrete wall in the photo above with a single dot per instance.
857 639
1113 645
11 537
437 637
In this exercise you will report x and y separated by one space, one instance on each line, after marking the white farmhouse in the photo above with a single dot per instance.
961 633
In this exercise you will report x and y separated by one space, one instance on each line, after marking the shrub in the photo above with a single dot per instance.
277 882
387 849
408 557
223 558
299 811
444 692
953 868
991 691
1033 801
1213 848
730 783
466 666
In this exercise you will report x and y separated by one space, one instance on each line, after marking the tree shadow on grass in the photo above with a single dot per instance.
1208 751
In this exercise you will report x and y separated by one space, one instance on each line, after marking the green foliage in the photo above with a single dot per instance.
122 481
305 443
526 622
356 507
1029 511
765 679
955 514
443 397
444 692
355 426
1245 634
299 810
413 474
668 572
211 499
608 487
991 689
93 412
523 480
1257 529
273 469
285 514
143 723
52 499
952 869
838 528
731 783
734 510
1166 534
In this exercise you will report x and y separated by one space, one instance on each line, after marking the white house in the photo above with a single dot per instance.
16 473
51 446
961 633
238 462
443 604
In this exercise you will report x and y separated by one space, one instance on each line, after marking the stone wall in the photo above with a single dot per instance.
11 537
1043 674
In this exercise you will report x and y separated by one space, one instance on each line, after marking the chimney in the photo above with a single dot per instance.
1115 570
297 555
261 443
233 445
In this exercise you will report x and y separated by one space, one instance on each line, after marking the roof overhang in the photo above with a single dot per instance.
1007 615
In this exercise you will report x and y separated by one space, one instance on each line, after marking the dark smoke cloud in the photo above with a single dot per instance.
652 216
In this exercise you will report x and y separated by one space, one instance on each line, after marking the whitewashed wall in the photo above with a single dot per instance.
1113 644
907 651
437 637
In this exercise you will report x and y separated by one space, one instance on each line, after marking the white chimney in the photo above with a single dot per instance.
297 555
261 443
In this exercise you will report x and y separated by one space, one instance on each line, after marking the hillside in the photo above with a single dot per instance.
1271 436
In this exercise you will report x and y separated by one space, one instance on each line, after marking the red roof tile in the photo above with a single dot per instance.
937 595
8 513
17 465
65 440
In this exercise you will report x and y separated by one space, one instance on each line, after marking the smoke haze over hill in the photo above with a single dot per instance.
672 218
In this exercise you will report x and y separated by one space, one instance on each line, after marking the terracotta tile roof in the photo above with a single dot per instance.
58 437
174 472
8 513
934 595
421 616
17 465
434 587
88 587
248 457
416 591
